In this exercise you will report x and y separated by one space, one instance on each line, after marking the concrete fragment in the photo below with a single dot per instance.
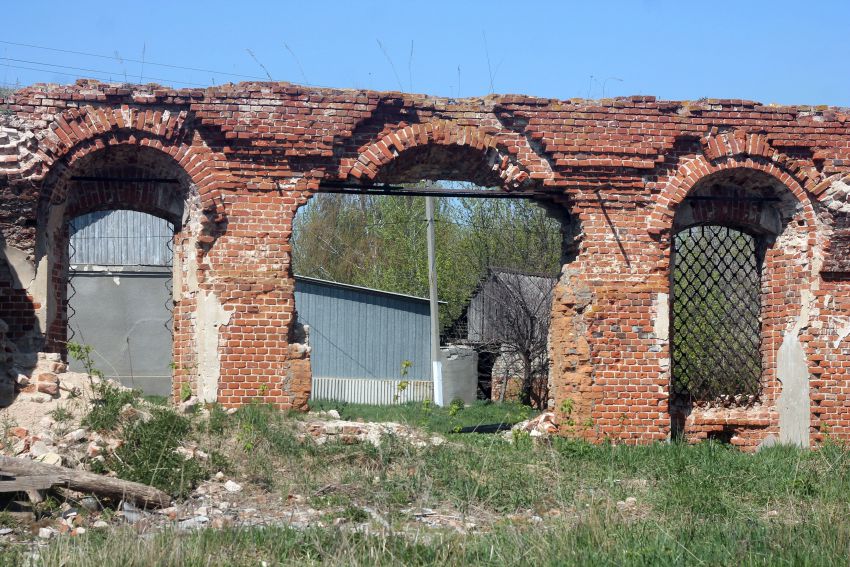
768 442
50 459
77 435
193 523
39 448
190 405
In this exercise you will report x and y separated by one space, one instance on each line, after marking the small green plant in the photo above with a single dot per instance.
61 414
7 423
520 437
567 407
7 520
456 406
82 354
219 462
105 413
354 514
218 420
185 391
47 508
402 386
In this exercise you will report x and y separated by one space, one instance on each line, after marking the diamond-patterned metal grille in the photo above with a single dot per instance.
716 315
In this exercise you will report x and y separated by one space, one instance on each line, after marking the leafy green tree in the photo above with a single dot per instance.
380 242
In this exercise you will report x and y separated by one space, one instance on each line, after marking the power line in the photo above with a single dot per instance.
77 75
87 70
112 57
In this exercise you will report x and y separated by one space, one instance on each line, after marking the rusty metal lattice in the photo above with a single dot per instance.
716 315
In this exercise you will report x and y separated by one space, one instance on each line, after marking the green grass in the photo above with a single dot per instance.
432 418
550 503
155 400
591 542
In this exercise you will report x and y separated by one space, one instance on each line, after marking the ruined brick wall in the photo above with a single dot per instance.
245 157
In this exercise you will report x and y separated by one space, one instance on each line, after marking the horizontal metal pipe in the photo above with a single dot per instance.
424 191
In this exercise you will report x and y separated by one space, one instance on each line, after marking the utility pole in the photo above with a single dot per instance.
436 365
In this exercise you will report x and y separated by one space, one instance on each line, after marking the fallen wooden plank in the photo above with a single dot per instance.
31 482
88 482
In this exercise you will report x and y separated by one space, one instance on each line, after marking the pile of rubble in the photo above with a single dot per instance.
36 376
44 383
44 422
544 425
331 427
43 428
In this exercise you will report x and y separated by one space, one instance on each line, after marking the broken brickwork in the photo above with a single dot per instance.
231 165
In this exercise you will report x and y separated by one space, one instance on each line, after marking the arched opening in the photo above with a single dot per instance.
740 252
498 260
112 239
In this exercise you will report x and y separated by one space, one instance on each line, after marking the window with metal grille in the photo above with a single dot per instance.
716 315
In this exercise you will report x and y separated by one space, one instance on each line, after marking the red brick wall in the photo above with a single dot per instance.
250 154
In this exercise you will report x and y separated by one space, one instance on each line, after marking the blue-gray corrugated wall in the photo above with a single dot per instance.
354 332
121 238
361 333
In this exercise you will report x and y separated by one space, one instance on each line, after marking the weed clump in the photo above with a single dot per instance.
105 413
149 454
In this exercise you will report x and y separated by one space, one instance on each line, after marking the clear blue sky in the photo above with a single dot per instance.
788 52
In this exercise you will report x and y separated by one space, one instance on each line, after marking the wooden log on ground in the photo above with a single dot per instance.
88 482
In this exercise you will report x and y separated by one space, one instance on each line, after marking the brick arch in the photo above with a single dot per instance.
501 162
701 167
79 132
787 272
131 162
181 180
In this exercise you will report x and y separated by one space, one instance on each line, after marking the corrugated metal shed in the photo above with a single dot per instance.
506 304
358 332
